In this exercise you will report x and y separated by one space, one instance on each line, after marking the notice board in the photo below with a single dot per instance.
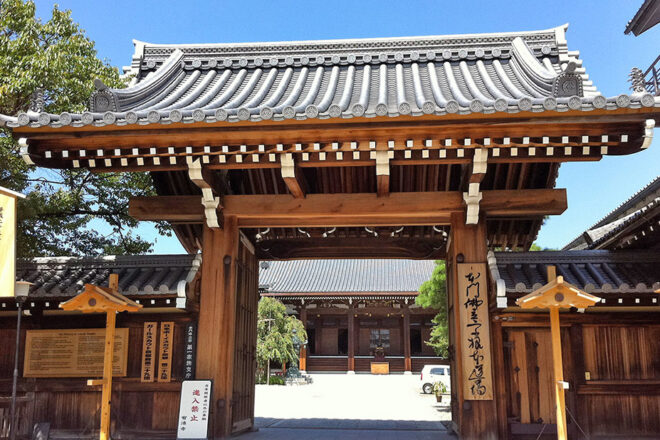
72 353
475 332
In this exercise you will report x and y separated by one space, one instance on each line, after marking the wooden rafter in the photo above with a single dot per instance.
293 177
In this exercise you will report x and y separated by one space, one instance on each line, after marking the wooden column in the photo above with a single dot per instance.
406 340
217 321
303 349
351 338
472 419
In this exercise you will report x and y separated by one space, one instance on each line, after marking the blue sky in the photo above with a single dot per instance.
596 30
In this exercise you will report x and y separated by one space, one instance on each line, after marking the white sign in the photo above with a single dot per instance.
194 409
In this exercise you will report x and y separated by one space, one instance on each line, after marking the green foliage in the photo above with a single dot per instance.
65 209
275 333
433 294
439 388
276 380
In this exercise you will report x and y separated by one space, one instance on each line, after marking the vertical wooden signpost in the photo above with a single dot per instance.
475 337
96 299
556 295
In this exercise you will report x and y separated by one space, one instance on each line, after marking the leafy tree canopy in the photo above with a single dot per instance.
275 333
65 210
433 294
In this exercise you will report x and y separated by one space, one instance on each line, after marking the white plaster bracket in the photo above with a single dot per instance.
649 125
382 163
24 149
472 199
209 200
288 166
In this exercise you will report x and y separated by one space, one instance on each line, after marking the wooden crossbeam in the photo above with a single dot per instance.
343 210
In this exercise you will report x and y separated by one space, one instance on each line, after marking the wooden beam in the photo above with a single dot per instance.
293 177
351 247
337 210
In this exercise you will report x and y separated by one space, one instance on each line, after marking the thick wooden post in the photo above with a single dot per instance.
303 349
472 419
406 340
217 321
351 339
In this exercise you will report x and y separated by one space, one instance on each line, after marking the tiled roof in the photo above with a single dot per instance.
640 204
477 73
344 276
146 275
647 16
595 271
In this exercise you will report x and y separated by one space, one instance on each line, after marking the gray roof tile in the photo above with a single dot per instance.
59 277
345 276
501 72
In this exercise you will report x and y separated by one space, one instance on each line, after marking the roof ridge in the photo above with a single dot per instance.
141 45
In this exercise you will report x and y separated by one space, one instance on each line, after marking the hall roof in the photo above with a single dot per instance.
344 276
622 278
647 16
472 73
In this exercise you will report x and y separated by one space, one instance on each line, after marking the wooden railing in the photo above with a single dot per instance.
652 78
24 409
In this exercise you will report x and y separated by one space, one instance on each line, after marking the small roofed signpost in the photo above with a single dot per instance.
108 300
555 295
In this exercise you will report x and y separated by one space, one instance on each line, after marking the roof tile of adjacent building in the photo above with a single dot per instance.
476 73
624 273
641 203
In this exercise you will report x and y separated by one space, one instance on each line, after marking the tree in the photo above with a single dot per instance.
275 331
65 210
433 294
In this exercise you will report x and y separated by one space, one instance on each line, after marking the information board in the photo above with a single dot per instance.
72 353
194 409
165 351
148 352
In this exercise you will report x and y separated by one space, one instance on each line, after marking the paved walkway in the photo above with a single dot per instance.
350 407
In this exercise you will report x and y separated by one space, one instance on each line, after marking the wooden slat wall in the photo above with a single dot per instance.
70 405
620 353
621 399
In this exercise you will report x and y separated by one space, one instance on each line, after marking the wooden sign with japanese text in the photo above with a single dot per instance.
475 331
72 353
149 352
165 351
194 408
189 352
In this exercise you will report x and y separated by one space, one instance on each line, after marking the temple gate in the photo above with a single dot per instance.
428 148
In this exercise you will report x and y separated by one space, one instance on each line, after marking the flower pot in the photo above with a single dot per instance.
438 397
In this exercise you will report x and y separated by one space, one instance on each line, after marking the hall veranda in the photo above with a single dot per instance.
440 147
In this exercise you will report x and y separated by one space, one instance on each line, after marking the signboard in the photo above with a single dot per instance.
475 331
148 352
194 409
72 353
190 350
165 352
7 241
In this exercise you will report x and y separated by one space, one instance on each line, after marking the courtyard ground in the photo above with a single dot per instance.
350 407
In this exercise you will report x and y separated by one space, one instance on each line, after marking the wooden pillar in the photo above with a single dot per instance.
303 349
217 321
106 392
351 338
406 340
472 419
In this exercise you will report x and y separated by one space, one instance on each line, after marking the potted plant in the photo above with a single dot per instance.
439 389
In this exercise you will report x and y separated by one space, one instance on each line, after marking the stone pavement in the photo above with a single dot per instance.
350 407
